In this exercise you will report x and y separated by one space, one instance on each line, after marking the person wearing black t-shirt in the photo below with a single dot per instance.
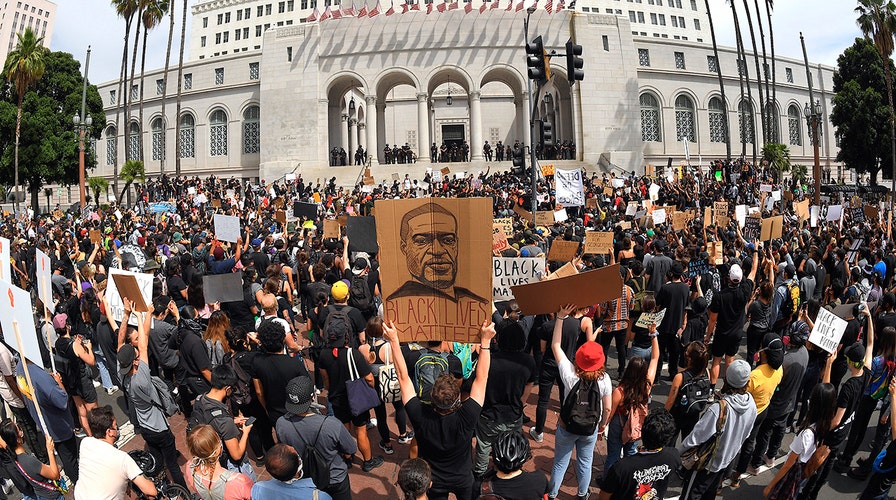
727 316
509 480
646 473
673 297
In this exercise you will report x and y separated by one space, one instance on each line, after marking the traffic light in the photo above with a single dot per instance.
538 61
519 161
547 133
574 62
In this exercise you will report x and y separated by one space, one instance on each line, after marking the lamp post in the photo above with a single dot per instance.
81 126
351 105
532 103
813 119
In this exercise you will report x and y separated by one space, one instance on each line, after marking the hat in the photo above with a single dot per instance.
855 353
126 356
738 374
256 242
773 347
59 321
151 265
735 274
797 334
299 393
339 291
141 241
590 357
177 237
699 305
360 265
790 270
108 230
218 253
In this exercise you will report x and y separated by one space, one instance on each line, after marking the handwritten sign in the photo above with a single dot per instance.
547 170
331 228
858 214
752 228
543 218
698 267
659 216
716 252
647 319
512 271
828 330
227 227
720 209
598 242
116 305
771 228
707 217
506 224
563 251
499 239
679 221
569 189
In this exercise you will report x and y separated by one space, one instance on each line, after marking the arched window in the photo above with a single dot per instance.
218 133
771 117
650 118
793 125
745 117
134 142
111 146
158 139
187 136
251 130
684 119
716 120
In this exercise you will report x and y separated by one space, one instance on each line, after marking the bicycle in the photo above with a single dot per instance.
167 490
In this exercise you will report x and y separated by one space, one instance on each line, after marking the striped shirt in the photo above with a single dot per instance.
616 312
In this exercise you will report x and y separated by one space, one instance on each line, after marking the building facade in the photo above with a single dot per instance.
423 80
18 15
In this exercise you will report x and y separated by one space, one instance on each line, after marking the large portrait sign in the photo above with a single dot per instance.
435 259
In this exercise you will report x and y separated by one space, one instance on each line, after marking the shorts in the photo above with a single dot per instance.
725 345
85 390
344 414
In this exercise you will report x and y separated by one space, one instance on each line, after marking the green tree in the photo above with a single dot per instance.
24 66
799 173
861 113
98 185
48 145
877 20
777 156
132 170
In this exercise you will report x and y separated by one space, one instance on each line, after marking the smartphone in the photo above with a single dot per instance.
249 421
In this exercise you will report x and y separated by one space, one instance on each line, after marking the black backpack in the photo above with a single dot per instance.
359 295
582 408
313 461
693 396
337 327
242 390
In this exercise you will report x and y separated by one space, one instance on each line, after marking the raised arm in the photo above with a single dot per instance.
123 327
487 333
869 349
390 333
558 332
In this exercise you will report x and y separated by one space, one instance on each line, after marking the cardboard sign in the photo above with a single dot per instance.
659 216
227 287
227 227
499 238
512 271
592 287
522 212
569 189
216 203
771 228
752 228
434 266
679 221
720 209
280 216
368 181
598 242
608 191
445 170
306 210
506 224
96 237
331 229
547 170
707 217
16 311
802 209
828 330
647 319
44 270
716 253
624 224
144 282
543 218
563 251
362 234
128 287
395 176
591 203
872 212
567 269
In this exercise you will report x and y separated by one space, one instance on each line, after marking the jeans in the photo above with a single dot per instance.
563 446
549 375
615 446
105 379
162 447
640 352
486 433
606 338
769 438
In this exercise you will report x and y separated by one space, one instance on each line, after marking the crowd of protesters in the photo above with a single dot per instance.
266 379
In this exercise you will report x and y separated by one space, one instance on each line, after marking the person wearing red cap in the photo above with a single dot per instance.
587 374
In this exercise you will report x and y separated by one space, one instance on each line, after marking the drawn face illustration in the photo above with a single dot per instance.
430 248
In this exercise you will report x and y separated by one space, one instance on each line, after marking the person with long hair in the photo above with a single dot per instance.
376 351
822 405
215 337
204 473
414 479
37 474
697 357
758 312
590 367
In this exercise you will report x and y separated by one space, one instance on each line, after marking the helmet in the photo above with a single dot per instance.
510 451
145 461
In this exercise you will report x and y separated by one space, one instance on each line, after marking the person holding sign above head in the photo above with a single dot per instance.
76 376
727 316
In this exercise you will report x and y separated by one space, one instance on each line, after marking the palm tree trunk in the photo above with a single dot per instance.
771 39
122 78
127 137
142 73
18 135
715 51
165 88
758 73
740 78
180 84
771 115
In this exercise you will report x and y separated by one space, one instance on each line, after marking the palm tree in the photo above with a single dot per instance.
125 9
133 170
152 16
771 126
180 84
758 70
769 7
24 66
715 51
877 20
141 6
743 72
170 8
98 185
777 156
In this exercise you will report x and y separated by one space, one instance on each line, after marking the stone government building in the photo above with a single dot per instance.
280 103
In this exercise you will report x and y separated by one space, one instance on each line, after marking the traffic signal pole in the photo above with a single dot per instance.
529 12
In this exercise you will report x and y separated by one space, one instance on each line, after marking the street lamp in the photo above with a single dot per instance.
81 127
351 105
448 100
813 120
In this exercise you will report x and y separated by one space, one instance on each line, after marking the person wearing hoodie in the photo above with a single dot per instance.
807 282
740 415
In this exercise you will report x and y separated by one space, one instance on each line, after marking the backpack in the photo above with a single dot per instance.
879 384
639 287
464 353
165 402
359 295
314 463
693 396
427 369
791 301
698 457
631 429
242 391
215 352
337 327
581 410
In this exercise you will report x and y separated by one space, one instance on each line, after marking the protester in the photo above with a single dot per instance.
204 472
414 479
285 467
43 478
510 450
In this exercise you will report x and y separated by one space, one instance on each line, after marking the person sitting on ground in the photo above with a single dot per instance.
204 472
285 467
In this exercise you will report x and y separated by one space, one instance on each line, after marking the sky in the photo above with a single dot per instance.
828 25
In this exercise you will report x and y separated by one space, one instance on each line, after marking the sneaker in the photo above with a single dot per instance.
6 485
371 464
537 436
769 462
79 433
96 383
112 390
406 438
753 471
387 447
585 496
260 461
371 423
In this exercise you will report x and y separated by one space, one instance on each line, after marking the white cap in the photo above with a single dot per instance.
736 274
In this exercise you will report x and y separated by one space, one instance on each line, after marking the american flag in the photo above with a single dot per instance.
326 15
375 11
549 7
312 17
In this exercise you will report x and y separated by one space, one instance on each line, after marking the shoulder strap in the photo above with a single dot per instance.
352 369
723 416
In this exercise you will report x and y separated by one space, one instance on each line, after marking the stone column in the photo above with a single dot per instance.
362 137
578 131
380 130
371 115
352 138
475 126
343 131
423 127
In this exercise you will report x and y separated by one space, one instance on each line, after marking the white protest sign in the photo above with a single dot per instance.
5 266
776 195
813 215
144 281
654 191
227 227
512 271
834 212
617 183
568 183
827 331
191 190
765 188
15 306
659 216
646 319
44 282
740 213
290 177
560 215
631 208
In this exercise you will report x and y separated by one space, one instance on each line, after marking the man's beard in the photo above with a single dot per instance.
442 282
